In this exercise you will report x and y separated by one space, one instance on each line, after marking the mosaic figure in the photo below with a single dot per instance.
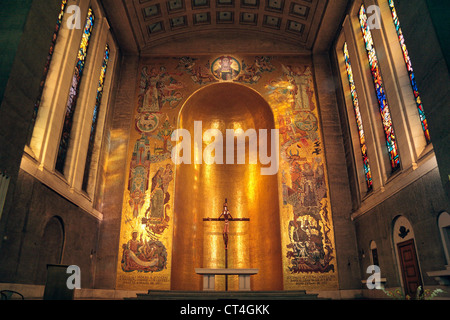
143 255
138 176
252 73
225 68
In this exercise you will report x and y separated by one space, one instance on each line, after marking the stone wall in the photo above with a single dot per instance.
33 212
24 238
348 264
25 46
30 26
115 172
419 193
421 203
423 32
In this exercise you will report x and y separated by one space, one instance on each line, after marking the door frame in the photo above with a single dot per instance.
403 232
410 243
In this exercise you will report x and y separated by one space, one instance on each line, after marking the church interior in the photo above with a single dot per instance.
336 172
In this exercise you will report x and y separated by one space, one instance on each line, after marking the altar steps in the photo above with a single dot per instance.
225 295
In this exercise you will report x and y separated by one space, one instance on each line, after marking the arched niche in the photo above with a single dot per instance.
374 253
51 246
444 229
200 190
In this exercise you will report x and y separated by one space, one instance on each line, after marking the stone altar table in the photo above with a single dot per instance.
210 273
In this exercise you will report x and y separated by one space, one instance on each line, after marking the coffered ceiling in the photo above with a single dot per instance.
154 23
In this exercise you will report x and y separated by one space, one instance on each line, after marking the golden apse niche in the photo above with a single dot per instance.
200 190
290 234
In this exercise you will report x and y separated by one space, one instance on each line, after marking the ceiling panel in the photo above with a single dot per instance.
289 21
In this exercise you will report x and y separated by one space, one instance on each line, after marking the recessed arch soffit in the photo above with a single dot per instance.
289 22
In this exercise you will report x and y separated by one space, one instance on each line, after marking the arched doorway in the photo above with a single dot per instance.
403 237
200 190
51 248
444 230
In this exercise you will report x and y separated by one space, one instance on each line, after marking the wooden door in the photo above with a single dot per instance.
410 267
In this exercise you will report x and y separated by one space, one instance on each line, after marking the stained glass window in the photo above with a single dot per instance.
391 140
362 138
46 68
409 67
73 92
98 100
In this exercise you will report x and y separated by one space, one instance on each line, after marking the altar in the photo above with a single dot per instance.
210 273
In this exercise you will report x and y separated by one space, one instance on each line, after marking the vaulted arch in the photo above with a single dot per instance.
200 190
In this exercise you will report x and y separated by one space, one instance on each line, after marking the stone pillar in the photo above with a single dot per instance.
118 131
340 196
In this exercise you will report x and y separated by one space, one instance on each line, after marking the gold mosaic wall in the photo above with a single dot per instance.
308 257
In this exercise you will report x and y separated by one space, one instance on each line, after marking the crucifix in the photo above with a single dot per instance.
226 217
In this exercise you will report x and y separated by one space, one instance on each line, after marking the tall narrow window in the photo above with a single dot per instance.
46 68
73 93
98 101
390 137
362 138
410 69
374 253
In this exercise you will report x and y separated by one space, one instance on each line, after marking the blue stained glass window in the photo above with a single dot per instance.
73 92
98 101
391 139
37 104
410 69
362 138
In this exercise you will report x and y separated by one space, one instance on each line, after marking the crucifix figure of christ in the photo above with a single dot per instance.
226 217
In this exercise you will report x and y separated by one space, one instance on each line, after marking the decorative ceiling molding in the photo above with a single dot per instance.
285 24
